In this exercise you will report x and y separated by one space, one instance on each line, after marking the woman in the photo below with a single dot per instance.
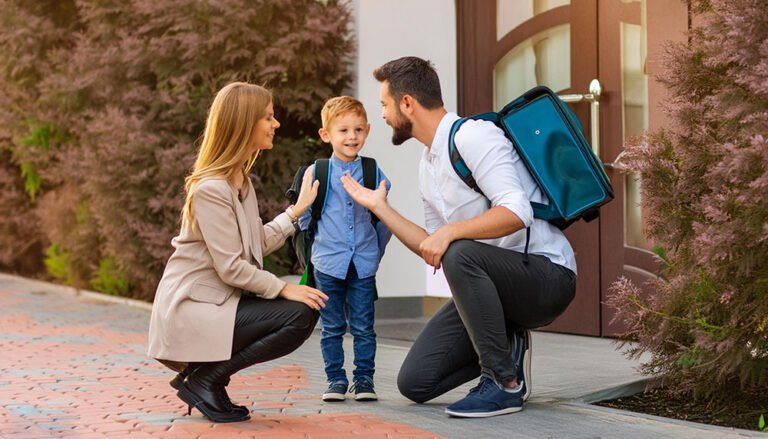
216 310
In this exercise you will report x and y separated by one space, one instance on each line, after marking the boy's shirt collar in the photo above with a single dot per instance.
339 161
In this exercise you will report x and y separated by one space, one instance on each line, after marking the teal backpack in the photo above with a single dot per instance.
549 140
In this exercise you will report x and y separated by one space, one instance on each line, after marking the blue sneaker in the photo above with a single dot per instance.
523 351
336 391
485 400
363 389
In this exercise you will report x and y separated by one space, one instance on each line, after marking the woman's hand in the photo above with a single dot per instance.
363 196
309 296
308 192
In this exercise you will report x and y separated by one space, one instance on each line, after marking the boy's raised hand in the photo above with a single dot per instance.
364 196
308 192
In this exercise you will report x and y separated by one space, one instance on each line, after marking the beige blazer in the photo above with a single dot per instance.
193 315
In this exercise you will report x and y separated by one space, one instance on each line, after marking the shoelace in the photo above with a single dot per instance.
486 386
482 387
362 384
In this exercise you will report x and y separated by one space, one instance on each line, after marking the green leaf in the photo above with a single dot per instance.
59 263
39 137
761 424
32 180
109 279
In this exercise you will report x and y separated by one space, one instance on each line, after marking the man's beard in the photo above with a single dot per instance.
402 131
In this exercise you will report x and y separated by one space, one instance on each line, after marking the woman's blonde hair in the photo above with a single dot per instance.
228 137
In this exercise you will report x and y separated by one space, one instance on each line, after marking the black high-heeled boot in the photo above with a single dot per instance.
222 390
208 397
200 387
181 376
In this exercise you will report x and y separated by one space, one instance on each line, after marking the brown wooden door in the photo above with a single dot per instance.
615 42
622 42
483 50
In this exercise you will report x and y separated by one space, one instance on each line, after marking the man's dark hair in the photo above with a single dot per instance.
413 76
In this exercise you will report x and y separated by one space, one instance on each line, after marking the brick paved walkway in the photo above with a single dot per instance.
75 367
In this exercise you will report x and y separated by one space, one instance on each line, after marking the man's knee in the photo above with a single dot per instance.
456 254
410 383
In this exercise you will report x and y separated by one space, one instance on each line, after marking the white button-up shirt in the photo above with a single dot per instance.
502 177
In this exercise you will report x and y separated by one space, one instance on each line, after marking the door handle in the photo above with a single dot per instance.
616 165
593 97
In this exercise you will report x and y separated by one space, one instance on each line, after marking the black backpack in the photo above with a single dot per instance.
302 240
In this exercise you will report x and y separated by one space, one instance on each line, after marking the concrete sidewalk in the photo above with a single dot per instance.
74 365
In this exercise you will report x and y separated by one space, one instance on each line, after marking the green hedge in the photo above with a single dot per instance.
705 188
104 102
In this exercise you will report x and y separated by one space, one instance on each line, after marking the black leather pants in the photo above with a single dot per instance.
264 330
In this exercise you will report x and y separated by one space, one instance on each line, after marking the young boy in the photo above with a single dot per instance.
346 253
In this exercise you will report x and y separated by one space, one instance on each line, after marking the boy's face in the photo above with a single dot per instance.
346 134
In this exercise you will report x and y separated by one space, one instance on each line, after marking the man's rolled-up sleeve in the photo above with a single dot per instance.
492 158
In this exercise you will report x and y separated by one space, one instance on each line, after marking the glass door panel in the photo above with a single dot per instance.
512 13
635 119
544 59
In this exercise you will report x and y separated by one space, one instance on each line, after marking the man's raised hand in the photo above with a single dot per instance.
363 196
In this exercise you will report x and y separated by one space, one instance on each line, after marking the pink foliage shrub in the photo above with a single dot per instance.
120 92
705 186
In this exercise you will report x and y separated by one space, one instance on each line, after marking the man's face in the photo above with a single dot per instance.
402 128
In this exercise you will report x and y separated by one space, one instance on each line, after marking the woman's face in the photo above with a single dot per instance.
264 134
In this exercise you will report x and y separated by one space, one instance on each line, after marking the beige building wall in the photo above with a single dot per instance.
387 30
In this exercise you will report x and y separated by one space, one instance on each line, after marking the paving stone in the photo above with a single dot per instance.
72 366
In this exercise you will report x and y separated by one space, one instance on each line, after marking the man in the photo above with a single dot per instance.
507 271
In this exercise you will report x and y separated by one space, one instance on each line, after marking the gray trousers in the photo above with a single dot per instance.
494 293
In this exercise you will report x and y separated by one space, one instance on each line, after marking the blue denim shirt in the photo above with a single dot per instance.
345 233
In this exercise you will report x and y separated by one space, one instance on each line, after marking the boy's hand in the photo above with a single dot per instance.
364 196
308 192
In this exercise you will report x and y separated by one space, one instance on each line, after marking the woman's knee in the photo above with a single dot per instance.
305 318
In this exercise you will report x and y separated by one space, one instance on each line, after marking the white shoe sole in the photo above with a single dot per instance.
483 414
333 397
527 366
366 397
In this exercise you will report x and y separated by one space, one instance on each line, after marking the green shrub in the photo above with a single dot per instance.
59 263
109 279
705 188
117 93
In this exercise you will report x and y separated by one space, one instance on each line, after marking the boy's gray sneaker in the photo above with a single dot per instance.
363 390
336 391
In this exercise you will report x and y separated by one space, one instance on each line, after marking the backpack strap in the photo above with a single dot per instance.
458 163
371 180
463 171
292 193
322 174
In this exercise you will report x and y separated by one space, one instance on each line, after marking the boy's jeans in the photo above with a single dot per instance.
351 297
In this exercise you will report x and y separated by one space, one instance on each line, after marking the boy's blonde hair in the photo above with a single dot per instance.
339 106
